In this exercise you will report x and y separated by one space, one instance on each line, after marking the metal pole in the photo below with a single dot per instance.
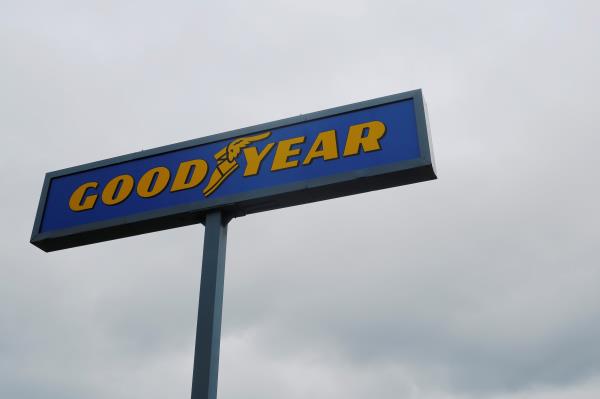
208 328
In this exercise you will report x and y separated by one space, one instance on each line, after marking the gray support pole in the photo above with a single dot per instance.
208 328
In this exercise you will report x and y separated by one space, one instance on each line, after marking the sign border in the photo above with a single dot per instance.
317 189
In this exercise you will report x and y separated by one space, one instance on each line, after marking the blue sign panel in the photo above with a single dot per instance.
361 147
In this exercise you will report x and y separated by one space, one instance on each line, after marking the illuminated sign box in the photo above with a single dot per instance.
347 150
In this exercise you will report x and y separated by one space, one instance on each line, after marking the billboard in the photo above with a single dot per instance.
336 152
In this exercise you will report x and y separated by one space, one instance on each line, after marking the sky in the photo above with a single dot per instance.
482 284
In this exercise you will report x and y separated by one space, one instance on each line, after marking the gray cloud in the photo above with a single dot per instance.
483 283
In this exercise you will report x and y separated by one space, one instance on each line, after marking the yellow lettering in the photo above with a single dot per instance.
255 158
159 176
79 201
183 180
325 146
117 190
284 151
369 142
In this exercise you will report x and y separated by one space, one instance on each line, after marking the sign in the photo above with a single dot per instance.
341 151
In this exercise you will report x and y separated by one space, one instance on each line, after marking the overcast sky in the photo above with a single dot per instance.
482 284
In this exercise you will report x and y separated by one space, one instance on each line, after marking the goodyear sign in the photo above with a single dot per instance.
341 151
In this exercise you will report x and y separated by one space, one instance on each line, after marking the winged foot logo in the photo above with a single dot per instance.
359 139
227 163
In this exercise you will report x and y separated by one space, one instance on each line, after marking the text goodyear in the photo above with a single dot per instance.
361 147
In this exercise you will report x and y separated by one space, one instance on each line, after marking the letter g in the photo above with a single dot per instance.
79 201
